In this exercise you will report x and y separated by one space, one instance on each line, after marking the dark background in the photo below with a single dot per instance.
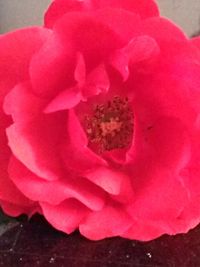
35 243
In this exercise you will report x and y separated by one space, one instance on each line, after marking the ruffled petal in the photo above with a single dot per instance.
54 192
139 49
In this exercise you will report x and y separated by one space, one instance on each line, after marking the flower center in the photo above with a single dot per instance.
111 125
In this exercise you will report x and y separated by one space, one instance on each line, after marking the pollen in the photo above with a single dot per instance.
111 125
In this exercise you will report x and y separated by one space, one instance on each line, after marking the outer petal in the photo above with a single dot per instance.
65 216
146 230
169 35
54 192
16 210
159 196
36 143
157 185
10 193
14 64
196 41
116 183
145 8
16 51
111 221
55 71
88 35
22 104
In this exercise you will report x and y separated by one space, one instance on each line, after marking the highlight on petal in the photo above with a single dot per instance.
114 182
80 70
67 99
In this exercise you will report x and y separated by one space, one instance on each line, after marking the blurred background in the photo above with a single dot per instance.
20 13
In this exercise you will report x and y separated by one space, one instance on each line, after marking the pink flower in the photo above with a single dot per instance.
100 125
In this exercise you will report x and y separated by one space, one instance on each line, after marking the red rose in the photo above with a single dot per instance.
100 121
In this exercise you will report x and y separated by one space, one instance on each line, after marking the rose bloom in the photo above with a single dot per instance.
100 125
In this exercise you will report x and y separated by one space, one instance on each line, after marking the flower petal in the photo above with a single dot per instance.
114 182
145 8
35 144
87 35
110 221
67 99
74 150
65 216
142 48
196 41
16 210
22 104
97 81
146 230
16 51
54 192
54 72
